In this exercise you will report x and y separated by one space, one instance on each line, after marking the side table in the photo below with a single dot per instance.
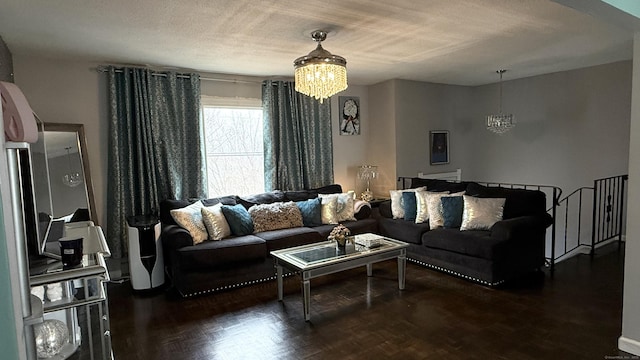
146 264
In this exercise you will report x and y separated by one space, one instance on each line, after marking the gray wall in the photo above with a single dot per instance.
6 63
572 127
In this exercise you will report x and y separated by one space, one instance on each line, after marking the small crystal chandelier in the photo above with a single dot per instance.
72 178
320 74
500 123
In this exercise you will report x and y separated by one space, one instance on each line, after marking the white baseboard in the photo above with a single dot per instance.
629 345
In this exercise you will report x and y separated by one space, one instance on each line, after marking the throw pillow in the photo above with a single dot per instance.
345 209
328 210
279 215
435 208
422 207
311 211
452 208
238 218
409 205
481 213
397 206
190 218
215 222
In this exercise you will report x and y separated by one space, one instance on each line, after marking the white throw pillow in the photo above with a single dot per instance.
481 213
215 222
422 204
436 216
329 213
397 206
190 218
345 206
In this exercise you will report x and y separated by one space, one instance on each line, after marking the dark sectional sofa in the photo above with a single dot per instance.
215 265
511 248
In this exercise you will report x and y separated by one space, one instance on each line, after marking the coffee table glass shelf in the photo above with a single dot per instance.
325 258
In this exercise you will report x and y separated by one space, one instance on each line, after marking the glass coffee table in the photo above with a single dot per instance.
324 258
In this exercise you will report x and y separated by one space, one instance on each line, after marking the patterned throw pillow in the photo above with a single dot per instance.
452 208
436 218
481 213
311 211
239 219
190 218
215 222
397 206
329 214
344 209
279 215
422 207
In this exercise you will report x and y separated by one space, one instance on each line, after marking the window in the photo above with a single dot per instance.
234 150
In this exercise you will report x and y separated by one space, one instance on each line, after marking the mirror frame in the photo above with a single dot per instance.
82 146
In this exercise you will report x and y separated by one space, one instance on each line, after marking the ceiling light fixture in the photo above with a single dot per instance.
500 123
72 178
320 74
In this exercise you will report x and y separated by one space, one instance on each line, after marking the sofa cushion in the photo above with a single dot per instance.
225 200
301 195
344 206
329 189
211 254
311 211
215 222
519 202
409 205
263 198
279 215
397 202
284 238
476 243
452 208
481 213
402 230
238 218
329 210
190 218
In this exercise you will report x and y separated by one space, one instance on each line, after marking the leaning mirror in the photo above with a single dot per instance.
62 182
69 177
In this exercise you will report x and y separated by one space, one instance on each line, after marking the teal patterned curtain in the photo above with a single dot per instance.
298 148
155 145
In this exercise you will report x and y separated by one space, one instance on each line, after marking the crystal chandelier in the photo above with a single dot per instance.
72 178
320 74
500 123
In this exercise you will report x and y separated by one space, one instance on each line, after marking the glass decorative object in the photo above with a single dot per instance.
51 336
500 123
320 74
72 178
366 176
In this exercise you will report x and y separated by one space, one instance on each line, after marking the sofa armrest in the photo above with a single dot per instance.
174 237
520 226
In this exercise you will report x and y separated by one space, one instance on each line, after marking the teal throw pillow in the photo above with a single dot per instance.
452 209
239 219
311 211
409 205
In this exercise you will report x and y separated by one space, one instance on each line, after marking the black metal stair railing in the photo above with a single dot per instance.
588 224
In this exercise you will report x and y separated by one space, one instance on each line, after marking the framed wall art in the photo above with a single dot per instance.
439 147
349 115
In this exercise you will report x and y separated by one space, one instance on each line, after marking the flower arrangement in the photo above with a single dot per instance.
340 234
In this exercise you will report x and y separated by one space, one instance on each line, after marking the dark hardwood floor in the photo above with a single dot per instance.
574 315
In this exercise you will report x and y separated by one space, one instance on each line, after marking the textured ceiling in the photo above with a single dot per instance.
445 41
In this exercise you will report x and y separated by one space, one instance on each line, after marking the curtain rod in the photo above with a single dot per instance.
182 76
